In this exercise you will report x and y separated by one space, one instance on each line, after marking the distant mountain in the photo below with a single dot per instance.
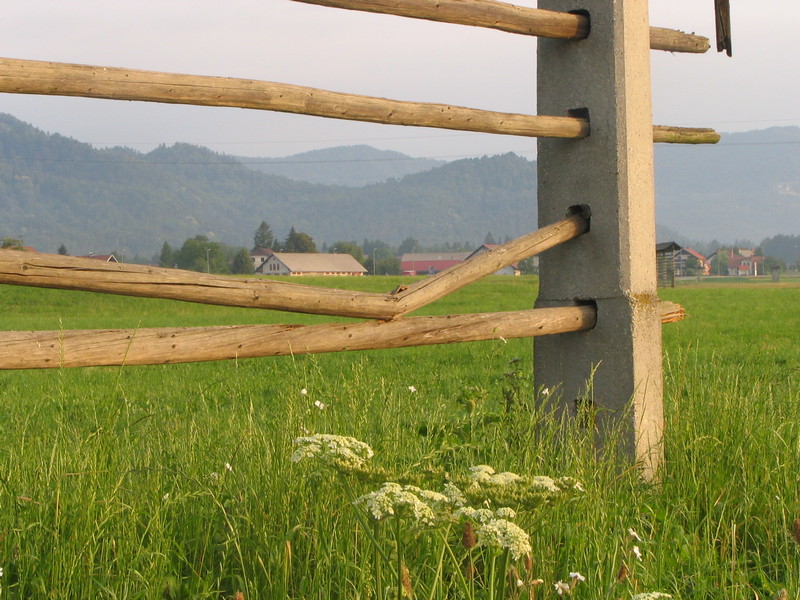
55 190
747 186
353 166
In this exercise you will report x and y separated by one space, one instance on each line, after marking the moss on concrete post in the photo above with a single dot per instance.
606 76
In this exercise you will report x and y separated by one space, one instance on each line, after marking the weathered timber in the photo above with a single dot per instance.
672 40
445 282
113 83
114 347
684 135
511 19
82 348
477 13
66 272
71 273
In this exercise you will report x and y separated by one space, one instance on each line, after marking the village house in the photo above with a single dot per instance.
690 262
294 263
744 262
103 257
259 256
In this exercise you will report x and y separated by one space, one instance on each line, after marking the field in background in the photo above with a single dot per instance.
175 481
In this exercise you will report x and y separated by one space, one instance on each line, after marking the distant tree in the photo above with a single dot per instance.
771 262
528 266
167 256
264 238
62 250
719 262
201 254
9 243
489 239
351 248
408 246
242 263
299 242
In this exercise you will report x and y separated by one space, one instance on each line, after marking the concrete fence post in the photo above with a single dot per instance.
607 78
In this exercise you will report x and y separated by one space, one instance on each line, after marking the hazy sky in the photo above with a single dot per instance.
378 55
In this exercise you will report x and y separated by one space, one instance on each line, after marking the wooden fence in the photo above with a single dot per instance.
388 329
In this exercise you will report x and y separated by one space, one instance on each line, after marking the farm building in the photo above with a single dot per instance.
259 256
430 263
744 262
103 257
295 263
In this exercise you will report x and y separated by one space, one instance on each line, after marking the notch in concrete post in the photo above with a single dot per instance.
613 265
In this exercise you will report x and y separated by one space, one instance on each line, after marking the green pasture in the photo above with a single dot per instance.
177 481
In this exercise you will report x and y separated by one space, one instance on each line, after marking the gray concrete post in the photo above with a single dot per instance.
613 265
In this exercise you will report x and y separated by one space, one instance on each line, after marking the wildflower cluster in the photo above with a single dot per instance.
493 529
392 499
651 596
336 450
511 488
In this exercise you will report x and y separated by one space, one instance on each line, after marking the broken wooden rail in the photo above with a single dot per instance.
118 347
19 76
511 18
64 272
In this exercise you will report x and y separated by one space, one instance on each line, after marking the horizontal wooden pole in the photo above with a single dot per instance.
62 79
672 40
70 273
445 282
684 135
510 18
115 347
66 272
83 348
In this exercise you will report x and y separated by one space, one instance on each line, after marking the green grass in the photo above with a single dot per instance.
113 481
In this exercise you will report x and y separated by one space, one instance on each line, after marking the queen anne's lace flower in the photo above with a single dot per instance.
500 533
394 499
542 483
651 596
338 450
486 475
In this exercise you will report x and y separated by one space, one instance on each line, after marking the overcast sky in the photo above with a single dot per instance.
378 55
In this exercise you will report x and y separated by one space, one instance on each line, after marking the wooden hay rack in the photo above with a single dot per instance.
593 77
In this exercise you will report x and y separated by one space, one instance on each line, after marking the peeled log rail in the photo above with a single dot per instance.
113 83
116 347
65 272
83 348
512 19
684 135
445 282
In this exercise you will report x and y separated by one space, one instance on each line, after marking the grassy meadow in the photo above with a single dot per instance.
179 482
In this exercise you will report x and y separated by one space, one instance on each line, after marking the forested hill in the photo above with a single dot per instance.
353 166
55 190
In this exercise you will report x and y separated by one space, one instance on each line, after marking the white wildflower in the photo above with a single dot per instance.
454 495
543 483
319 405
303 392
165 497
637 552
403 500
563 588
1 571
499 533
577 576
479 515
504 340
505 512
546 392
520 583
338 450
633 535
214 475
228 467
412 389
651 596
486 475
